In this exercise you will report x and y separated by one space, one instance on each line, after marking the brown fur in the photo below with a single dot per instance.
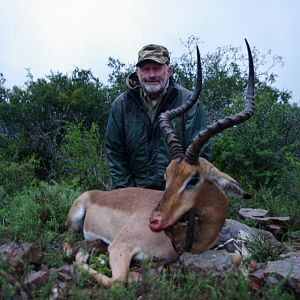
122 217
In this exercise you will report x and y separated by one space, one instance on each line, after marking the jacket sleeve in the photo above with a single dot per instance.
195 121
116 152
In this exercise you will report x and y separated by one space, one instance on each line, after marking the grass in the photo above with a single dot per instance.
177 286
38 214
263 249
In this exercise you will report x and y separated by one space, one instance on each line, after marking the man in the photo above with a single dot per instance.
136 148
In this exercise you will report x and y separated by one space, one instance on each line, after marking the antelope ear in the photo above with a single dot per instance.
230 188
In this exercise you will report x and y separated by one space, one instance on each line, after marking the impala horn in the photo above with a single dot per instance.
165 118
192 152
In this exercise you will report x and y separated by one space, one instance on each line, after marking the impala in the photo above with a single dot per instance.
146 224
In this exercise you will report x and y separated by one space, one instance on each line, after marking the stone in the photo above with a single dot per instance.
58 291
256 279
253 212
97 247
211 262
234 235
66 273
286 270
15 253
277 225
36 279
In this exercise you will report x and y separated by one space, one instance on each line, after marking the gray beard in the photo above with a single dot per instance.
152 89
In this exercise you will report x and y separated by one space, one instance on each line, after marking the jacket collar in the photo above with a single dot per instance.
135 90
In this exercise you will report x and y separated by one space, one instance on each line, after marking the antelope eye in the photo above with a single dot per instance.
194 180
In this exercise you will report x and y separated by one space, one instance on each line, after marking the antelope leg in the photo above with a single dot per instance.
120 255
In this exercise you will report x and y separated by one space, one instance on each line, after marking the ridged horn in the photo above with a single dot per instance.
165 118
192 152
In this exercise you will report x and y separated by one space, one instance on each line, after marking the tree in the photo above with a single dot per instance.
44 119
37 114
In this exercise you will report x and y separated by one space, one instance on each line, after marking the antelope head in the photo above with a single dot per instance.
191 181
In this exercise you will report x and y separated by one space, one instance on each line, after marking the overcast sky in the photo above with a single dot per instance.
59 35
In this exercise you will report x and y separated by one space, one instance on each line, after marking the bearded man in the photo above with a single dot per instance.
135 145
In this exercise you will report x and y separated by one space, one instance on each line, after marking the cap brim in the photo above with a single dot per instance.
155 59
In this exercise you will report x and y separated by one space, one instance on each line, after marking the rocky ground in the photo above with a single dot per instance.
232 253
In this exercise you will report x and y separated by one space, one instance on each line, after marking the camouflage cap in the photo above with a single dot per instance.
157 53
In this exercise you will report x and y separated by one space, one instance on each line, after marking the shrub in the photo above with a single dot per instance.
15 176
37 212
82 161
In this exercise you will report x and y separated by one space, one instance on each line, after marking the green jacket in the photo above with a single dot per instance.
136 148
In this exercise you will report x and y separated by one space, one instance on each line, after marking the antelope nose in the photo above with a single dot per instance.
155 221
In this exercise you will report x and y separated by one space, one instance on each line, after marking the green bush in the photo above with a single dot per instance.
81 158
15 176
263 249
263 151
37 212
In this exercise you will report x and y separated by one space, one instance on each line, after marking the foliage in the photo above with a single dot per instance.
266 148
276 202
225 73
16 176
81 161
37 211
178 286
38 114
44 120
52 130
263 154
47 207
16 172
117 78
263 249
6 290
100 263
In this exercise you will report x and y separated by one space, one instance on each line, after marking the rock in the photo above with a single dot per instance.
277 225
12 284
82 256
212 262
36 279
252 212
232 229
285 271
283 221
277 230
58 291
294 235
234 234
296 245
15 253
97 247
257 279
260 215
294 253
174 266
66 273
252 266
64 276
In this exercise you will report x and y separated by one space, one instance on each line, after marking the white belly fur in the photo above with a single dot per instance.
90 236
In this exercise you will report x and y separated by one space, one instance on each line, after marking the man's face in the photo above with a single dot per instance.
153 76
